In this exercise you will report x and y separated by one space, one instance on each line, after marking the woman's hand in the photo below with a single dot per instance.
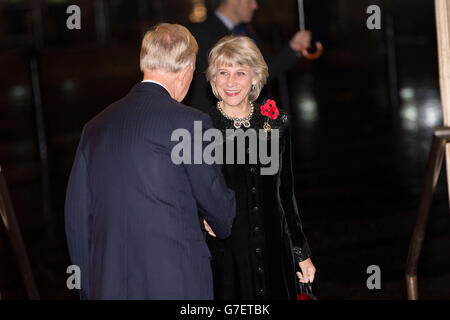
208 228
308 271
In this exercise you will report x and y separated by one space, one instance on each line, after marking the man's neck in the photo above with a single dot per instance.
159 79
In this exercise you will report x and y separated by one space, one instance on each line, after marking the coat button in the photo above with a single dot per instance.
260 270
255 209
258 250
256 229
253 190
261 292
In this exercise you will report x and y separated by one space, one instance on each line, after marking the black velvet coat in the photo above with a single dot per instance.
260 258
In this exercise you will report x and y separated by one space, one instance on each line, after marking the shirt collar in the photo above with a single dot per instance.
225 20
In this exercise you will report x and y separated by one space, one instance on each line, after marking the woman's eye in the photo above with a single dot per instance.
223 73
241 73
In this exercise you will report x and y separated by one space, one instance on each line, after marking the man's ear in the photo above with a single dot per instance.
183 74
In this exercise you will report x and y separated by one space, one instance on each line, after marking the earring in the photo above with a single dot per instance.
253 86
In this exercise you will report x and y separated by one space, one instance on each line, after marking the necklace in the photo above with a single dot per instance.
237 122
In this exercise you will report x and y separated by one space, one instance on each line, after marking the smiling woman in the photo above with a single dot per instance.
233 85
267 245
237 72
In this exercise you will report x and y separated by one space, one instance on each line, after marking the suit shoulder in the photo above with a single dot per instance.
103 116
189 111
198 30
195 27
212 29
187 114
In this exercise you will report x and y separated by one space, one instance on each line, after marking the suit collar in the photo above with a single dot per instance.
156 82
152 87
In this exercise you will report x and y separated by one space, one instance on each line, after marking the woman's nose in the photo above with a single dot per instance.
231 81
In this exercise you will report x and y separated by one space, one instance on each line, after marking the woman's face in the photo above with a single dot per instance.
233 84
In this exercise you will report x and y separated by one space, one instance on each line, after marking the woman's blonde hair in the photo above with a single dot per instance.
169 47
237 50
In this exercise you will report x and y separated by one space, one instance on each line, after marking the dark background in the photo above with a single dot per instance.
363 115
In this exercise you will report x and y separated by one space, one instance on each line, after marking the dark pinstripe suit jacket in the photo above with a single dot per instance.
131 214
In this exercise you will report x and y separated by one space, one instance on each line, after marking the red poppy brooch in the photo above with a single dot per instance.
270 110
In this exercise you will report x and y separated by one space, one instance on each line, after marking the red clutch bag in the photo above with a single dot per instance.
305 291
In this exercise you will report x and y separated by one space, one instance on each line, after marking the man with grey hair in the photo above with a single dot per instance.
131 214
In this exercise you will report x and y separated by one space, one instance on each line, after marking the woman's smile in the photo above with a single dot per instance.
233 84
232 93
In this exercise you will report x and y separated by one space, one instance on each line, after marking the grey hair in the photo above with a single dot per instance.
237 50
